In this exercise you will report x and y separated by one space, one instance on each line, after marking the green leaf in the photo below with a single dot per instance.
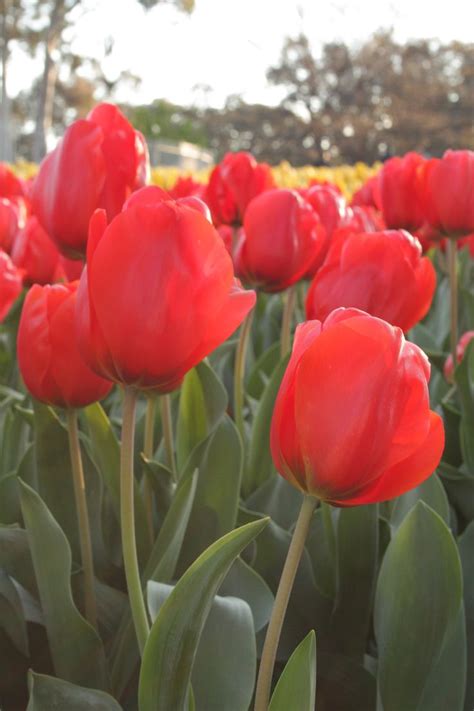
460 487
259 465
203 401
214 511
466 548
464 377
50 694
244 582
105 451
171 647
446 685
357 563
296 687
15 557
223 675
262 370
77 652
11 614
418 597
431 492
278 499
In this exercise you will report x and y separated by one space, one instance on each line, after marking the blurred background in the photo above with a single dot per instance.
309 83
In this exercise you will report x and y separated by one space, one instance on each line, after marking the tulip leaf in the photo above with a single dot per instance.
11 614
431 492
446 685
15 557
464 376
216 502
356 573
50 694
76 650
417 603
466 547
259 466
171 647
278 499
244 582
203 401
296 687
262 370
223 675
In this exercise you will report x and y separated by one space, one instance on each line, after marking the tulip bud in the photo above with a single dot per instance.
352 423
49 359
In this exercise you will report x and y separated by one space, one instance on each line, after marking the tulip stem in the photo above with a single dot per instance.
239 372
295 551
453 287
148 450
90 604
167 422
127 520
290 301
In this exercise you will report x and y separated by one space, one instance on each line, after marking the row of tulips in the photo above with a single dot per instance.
133 285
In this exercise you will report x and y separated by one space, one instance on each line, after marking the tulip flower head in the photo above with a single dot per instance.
464 341
281 239
382 273
399 191
98 163
233 183
352 423
48 355
448 193
158 293
36 254
11 284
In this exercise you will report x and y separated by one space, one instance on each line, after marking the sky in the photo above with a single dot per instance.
227 45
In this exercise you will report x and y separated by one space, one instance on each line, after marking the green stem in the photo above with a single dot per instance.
239 372
295 551
90 604
167 423
148 450
453 287
290 300
127 520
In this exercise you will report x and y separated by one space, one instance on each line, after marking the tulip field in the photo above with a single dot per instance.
236 432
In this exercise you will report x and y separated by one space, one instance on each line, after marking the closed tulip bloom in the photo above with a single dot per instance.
281 240
382 273
464 341
36 254
233 183
157 296
11 284
368 195
352 423
11 186
333 212
399 191
9 224
448 193
99 162
50 363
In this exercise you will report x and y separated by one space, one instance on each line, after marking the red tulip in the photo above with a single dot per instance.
368 195
158 294
399 190
233 183
187 187
465 339
382 273
36 254
11 186
11 282
331 208
71 269
352 423
98 163
9 223
281 240
49 359
448 193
